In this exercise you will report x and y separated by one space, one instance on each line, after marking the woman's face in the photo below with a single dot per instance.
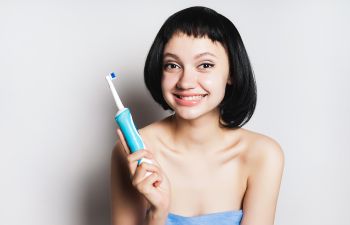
195 74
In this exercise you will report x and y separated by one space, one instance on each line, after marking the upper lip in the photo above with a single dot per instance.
189 94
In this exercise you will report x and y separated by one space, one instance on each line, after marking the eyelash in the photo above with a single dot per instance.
168 64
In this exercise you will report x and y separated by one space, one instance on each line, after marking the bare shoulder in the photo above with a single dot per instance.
262 150
151 133
152 129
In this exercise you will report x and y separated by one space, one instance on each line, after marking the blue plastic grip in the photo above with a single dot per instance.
127 126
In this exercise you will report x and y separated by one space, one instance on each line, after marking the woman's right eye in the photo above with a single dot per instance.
170 66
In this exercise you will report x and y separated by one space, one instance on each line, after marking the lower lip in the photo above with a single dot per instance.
184 102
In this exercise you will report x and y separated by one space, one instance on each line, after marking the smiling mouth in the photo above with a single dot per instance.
191 98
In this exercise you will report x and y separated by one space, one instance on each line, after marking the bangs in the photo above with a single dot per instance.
196 24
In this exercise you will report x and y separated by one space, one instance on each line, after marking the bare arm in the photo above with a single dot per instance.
126 203
260 200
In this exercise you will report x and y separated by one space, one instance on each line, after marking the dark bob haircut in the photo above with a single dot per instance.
239 101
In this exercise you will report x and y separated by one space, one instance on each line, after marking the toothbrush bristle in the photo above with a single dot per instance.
113 75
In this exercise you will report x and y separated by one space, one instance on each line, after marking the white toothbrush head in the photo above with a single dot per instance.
113 76
109 79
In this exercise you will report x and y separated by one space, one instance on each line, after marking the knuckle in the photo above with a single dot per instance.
129 158
157 178
142 188
156 168
155 175
146 189
145 165
142 166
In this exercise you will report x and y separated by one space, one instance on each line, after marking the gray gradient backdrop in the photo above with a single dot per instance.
57 127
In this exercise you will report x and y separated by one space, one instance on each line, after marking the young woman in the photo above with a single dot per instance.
206 168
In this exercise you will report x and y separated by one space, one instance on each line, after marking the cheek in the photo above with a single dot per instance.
214 85
168 82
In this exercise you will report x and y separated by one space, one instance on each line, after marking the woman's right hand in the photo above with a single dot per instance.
155 187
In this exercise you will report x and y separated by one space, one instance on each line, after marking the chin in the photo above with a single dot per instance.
191 114
195 112
187 116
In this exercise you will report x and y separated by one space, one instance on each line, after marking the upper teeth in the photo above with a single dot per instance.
195 97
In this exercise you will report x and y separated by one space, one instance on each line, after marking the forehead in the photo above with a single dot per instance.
184 46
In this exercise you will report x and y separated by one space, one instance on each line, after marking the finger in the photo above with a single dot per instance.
147 160
149 167
152 160
122 139
134 157
141 172
146 185
156 184
143 153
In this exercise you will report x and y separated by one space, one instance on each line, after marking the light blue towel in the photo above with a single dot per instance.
220 218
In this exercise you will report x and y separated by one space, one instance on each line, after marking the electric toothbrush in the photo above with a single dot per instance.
124 120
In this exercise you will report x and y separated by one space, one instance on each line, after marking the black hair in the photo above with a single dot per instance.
240 98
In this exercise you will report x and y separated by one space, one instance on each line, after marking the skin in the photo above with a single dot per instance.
200 167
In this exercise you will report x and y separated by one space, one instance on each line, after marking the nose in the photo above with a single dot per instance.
188 80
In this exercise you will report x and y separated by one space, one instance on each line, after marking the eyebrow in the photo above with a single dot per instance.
196 57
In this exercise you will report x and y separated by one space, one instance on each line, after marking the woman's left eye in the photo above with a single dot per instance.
207 65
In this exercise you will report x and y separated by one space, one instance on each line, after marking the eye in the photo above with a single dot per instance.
207 65
169 66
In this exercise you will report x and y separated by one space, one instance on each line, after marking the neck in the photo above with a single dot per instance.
194 135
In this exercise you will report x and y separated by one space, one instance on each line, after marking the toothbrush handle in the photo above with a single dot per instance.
131 135
127 126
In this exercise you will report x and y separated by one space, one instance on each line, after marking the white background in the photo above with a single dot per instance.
57 126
